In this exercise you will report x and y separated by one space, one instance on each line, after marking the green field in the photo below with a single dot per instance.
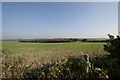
52 51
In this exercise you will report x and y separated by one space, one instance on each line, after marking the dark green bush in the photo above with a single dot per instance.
66 69
111 62
113 47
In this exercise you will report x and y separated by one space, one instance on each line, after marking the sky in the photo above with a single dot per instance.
29 20
0 21
119 18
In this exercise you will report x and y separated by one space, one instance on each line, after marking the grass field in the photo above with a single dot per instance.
52 51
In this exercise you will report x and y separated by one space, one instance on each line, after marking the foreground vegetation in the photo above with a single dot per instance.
65 68
102 66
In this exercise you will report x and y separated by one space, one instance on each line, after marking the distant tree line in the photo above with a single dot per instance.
98 41
86 40
62 40
51 40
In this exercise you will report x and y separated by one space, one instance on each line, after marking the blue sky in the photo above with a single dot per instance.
0 20
28 20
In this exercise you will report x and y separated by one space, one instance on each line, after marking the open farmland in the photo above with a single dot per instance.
52 51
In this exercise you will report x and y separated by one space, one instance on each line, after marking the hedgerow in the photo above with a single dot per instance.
68 68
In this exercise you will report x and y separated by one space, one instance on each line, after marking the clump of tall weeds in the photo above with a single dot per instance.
12 65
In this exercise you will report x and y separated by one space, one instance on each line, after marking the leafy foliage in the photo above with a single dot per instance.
66 69
113 47
71 67
12 66
111 62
